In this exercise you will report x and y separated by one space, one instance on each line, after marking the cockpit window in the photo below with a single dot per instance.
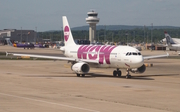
133 53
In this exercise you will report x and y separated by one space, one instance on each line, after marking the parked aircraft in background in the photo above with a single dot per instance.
176 40
39 46
170 43
24 45
83 57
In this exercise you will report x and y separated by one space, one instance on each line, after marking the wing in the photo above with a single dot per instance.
156 56
54 57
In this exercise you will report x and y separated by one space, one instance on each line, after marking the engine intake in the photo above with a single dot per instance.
141 69
80 68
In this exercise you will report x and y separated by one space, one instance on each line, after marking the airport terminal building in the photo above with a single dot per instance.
18 35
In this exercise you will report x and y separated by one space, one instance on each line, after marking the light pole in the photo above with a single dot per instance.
104 33
112 37
134 37
127 38
61 33
144 38
151 36
119 37
98 36
151 32
27 38
36 36
147 38
21 34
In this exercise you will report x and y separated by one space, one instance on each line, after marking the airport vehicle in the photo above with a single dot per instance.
83 57
170 43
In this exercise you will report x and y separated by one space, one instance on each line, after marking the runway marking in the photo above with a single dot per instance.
25 98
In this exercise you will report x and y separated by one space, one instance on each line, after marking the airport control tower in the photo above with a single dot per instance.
92 20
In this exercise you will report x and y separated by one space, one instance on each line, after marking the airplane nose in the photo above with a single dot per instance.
139 61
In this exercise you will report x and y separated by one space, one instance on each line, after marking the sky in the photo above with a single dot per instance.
47 15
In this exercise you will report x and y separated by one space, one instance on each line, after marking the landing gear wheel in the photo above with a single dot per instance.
78 75
114 73
119 73
128 76
83 75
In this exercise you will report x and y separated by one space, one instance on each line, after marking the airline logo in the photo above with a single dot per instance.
66 33
93 52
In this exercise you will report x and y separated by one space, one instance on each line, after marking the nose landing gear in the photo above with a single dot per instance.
128 76
118 73
78 75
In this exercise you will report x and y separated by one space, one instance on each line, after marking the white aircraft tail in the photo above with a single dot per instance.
8 41
68 38
169 40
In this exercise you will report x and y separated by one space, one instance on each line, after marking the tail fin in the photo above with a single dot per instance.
8 41
169 40
68 38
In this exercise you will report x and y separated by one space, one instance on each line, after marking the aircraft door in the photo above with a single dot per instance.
118 64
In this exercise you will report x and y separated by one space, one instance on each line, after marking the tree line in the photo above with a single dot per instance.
124 36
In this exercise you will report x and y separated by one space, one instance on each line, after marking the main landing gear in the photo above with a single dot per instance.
128 76
117 73
78 75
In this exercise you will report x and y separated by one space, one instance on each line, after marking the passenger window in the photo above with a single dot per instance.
134 53
139 53
130 53
127 53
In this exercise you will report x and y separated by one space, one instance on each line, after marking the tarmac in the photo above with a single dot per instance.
51 86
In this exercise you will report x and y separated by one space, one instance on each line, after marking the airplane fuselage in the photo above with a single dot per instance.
106 55
24 45
174 47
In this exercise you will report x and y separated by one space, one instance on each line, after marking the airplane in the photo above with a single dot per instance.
170 43
19 45
82 57
25 45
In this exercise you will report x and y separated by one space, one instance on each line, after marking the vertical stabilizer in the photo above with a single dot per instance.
68 38
169 40
8 41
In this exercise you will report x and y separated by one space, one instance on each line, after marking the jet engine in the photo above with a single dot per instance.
80 68
139 70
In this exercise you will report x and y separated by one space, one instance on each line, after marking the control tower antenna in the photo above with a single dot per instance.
92 20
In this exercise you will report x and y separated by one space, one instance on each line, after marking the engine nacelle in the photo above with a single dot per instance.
80 68
141 69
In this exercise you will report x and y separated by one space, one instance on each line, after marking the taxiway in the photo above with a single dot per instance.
34 85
